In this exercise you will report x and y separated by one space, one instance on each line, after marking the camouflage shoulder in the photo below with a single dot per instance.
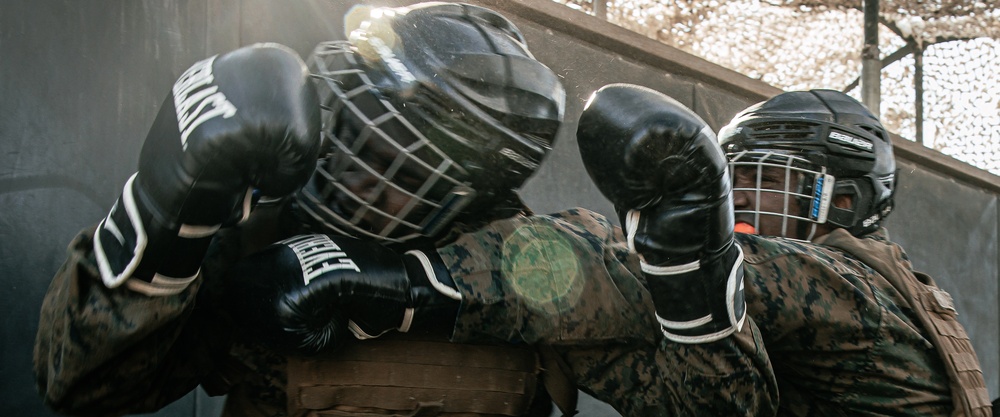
575 222
759 249
585 222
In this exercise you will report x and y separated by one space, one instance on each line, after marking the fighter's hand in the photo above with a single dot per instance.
246 119
305 293
662 168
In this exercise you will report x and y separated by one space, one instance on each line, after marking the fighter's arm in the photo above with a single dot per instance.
661 166
552 279
564 278
673 379
115 333
109 351
604 328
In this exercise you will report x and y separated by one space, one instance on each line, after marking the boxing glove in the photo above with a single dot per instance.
664 171
305 293
245 120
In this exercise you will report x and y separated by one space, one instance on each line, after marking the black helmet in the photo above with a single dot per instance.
831 139
450 86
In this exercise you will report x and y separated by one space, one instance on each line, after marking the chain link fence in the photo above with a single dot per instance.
945 52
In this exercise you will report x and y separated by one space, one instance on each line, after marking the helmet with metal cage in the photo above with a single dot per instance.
454 92
831 144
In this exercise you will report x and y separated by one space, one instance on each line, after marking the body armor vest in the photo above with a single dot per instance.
937 314
406 375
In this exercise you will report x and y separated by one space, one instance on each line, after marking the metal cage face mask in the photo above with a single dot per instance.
382 178
803 197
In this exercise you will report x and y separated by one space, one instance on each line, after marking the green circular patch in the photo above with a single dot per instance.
542 266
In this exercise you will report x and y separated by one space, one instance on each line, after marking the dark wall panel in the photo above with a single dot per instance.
562 181
79 85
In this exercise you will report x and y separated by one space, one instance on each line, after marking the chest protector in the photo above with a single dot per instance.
406 375
937 314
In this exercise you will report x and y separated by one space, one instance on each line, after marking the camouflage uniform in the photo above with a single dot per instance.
564 279
841 339
568 280
103 351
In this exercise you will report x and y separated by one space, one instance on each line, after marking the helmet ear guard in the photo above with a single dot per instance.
848 216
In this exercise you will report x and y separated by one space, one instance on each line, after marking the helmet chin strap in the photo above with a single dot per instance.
803 226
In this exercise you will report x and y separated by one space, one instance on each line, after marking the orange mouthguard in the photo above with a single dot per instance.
745 228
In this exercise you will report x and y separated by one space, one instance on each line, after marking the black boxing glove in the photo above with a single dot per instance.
663 169
246 119
305 293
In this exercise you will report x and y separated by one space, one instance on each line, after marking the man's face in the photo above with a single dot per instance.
384 188
776 197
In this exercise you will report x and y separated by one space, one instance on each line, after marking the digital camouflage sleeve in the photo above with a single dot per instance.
111 351
841 339
568 280
564 280
101 351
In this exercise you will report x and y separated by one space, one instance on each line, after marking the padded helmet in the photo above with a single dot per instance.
832 142
453 88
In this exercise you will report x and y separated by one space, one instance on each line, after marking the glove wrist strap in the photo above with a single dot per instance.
435 299
699 302
434 272
133 247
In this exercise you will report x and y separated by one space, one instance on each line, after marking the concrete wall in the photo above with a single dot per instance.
81 82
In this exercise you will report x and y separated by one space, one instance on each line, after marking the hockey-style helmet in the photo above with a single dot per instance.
834 146
451 87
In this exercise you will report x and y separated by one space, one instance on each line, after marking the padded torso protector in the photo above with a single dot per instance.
936 312
408 375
